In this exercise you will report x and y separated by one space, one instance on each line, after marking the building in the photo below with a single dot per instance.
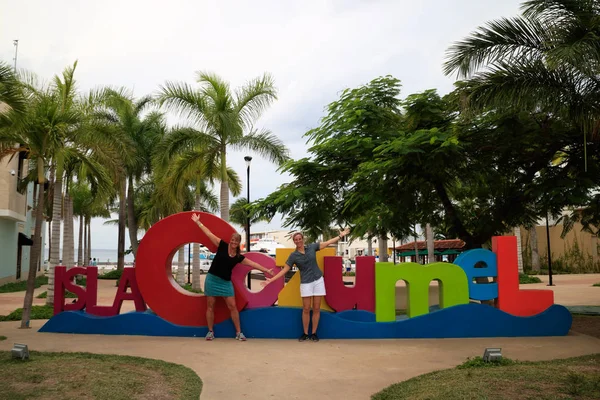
16 220
346 248
444 250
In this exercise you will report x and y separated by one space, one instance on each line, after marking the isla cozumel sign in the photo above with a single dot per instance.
365 310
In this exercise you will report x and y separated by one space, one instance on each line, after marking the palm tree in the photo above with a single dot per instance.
221 120
181 188
143 132
36 131
239 215
547 59
11 94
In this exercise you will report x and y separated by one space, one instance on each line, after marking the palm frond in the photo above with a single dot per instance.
264 143
184 100
508 39
254 98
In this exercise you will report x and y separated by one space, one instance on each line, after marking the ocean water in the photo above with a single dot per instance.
104 256
109 256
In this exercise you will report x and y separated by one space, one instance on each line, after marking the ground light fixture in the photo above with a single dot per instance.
20 351
492 354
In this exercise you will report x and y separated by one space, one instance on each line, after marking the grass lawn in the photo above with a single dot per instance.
570 378
21 286
85 375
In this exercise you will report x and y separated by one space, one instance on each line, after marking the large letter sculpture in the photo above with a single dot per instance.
361 296
454 288
154 269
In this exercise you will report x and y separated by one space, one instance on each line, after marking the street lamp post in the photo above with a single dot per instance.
549 252
248 159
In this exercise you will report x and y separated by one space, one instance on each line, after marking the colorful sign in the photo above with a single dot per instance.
364 310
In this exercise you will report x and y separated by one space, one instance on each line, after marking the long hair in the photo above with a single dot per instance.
239 237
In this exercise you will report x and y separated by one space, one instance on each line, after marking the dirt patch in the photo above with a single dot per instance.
586 324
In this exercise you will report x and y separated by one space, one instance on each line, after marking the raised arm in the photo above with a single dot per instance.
335 239
257 266
211 236
281 273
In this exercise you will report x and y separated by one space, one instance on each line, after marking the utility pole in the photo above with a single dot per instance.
16 44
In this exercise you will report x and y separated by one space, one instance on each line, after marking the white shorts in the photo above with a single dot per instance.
316 288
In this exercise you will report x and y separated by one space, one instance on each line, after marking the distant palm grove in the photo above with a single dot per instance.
517 140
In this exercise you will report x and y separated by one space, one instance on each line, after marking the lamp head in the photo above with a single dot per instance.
247 159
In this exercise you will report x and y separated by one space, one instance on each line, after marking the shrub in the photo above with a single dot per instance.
22 285
188 287
523 279
37 312
477 362
115 274
68 295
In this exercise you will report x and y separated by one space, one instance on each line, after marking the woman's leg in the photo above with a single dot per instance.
305 313
316 313
210 312
235 315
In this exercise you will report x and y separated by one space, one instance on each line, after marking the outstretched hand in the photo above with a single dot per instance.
344 232
270 271
196 218
266 282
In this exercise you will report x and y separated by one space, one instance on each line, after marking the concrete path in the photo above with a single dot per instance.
330 369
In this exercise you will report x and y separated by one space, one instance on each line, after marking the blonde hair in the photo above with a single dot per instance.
239 238
296 234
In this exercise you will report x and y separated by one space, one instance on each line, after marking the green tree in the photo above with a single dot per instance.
362 119
547 59
239 213
142 133
220 120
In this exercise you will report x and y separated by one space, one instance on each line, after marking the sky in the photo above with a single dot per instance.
313 48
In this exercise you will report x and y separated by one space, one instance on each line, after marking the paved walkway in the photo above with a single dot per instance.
330 369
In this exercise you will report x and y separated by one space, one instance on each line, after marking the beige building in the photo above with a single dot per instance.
16 219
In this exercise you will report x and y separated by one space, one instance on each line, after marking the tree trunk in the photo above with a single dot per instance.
69 240
181 266
50 193
416 247
535 254
196 255
34 257
224 195
122 216
80 246
131 220
55 236
383 255
430 244
517 233
49 240
88 227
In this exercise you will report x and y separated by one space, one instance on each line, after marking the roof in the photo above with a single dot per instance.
437 244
